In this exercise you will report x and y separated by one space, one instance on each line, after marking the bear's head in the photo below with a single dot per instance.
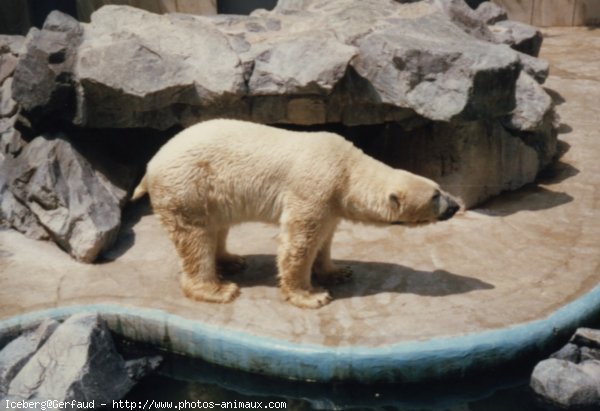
416 200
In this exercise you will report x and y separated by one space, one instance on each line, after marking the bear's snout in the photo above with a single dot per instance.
451 208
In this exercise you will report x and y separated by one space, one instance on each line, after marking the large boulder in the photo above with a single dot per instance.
570 378
43 83
567 385
473 160
50 187
78 362
17 352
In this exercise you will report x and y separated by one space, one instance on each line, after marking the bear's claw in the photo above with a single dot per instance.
315 298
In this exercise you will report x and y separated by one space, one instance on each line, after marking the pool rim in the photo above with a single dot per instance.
437 358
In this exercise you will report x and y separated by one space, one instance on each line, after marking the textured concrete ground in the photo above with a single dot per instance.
514 260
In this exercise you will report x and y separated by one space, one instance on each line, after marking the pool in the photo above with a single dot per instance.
182 382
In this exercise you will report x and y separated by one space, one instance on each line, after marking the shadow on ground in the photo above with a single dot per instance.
535 196
529 198
370 278
132 214
557 98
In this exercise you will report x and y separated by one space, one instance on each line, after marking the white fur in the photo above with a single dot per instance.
224 172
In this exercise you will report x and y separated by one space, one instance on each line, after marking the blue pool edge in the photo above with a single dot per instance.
437 358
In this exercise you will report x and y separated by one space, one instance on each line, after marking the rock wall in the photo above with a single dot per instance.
434 86
325 62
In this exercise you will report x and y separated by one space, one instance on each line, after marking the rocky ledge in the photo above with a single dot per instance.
73 362
432 86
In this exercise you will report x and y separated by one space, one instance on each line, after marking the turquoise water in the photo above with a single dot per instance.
191 384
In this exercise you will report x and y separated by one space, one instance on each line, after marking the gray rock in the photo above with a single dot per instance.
536 68
8 107
454 154
590 354
490 13
13 214
466 18
8 63
520 36
79 206
306 62
533 106
16 353
78 362
154 77
570 352
276 72
586 337
12 44
11 141
415 72
592 368
567 385
43 83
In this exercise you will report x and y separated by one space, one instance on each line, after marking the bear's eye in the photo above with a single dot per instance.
436 196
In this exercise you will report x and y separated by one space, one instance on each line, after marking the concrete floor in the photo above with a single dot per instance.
516 259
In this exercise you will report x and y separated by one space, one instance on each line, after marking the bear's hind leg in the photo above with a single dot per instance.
299 241
197 246
325 272
227 263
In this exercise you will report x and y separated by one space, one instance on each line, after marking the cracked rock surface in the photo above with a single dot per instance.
62 194
73 361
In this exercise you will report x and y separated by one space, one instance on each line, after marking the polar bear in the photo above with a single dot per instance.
220 173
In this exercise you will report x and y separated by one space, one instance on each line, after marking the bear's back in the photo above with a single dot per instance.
251 168
235 144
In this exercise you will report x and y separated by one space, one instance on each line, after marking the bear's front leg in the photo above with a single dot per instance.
325 272
299 241
197 248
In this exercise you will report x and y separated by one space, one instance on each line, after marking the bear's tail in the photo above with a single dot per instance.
140 190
